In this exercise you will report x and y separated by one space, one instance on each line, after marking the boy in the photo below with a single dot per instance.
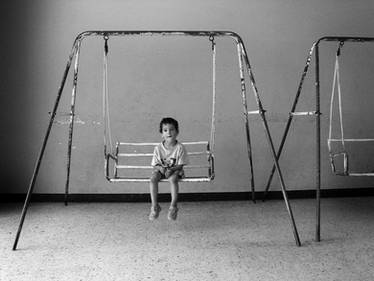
168 160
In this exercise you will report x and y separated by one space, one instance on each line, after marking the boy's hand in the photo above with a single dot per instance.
163 170
168 173
160 168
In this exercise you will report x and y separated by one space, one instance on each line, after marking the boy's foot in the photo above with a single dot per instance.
172 214
154 212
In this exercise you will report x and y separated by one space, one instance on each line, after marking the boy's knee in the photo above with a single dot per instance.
174 178
155 178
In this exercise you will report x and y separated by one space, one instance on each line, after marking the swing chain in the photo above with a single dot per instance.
106 37
211 39
341 43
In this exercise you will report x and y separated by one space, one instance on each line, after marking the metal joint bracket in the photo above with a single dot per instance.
306 113
261 112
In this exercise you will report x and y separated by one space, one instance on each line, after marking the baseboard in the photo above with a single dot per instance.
208 196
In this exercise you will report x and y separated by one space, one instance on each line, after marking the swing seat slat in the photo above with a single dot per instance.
348 140
150 167
197 153
156 143
190 179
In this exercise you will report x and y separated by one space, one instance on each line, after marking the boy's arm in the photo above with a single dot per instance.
176 168
157 162
160 168
171 170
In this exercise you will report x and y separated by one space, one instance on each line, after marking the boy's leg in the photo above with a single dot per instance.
153 187
155 208
174 186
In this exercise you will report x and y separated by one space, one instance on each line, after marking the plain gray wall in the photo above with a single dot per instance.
151 78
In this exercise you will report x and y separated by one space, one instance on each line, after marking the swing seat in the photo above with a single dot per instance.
130 162
333 157
346 170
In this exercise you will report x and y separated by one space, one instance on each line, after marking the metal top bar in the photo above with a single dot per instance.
345 39
158 32
193 33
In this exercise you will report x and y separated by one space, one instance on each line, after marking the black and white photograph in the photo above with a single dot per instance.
175 140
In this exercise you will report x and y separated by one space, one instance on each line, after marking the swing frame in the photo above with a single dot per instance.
316 114
342 152
243 64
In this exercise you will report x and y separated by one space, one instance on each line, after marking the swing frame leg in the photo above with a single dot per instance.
283 187
34 176
315 49
318 149
290 118
269 139
245 111
71 125
249 148
42 150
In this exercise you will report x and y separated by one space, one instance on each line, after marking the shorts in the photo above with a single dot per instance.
163 176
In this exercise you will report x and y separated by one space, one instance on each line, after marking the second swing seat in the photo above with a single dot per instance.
345 169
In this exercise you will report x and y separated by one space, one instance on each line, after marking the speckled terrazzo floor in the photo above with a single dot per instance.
209 241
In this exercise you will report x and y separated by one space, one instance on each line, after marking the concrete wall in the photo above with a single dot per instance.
151 78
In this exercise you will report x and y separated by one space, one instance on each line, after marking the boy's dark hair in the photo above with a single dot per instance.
169 120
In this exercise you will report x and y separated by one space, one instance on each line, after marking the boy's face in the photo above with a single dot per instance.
169 133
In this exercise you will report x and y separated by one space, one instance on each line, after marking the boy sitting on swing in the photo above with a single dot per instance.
168 160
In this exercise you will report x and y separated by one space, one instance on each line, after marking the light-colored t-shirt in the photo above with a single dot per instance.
165 157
